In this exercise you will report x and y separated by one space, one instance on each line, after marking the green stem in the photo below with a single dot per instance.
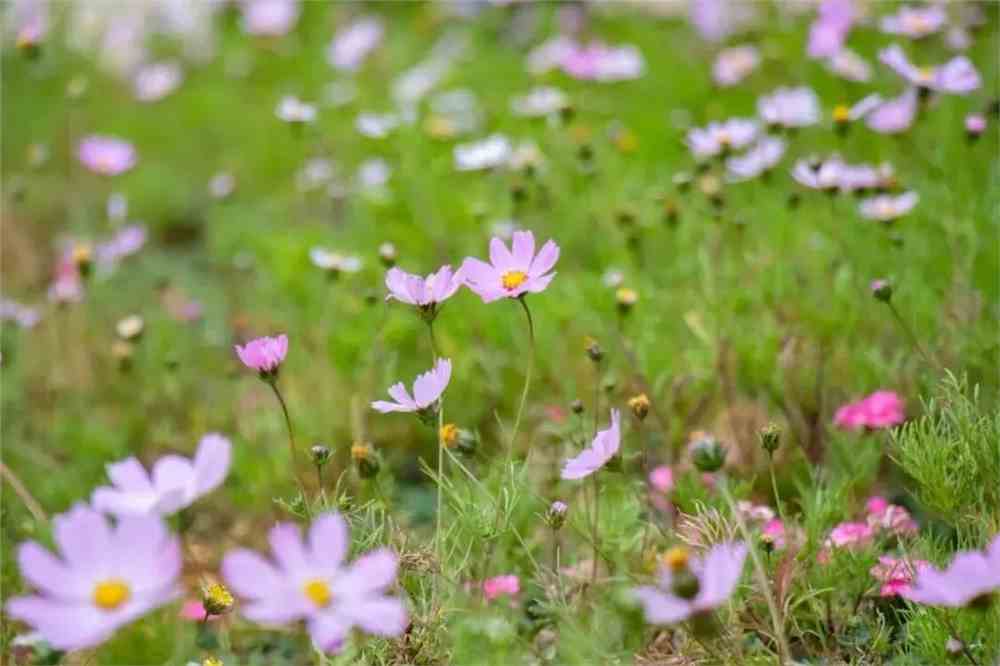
772 606
527 376
291 443
954 634
597 512
909 334
774 489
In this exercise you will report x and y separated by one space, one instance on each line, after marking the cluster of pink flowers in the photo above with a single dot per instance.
106 155
896 575
881 519
882 409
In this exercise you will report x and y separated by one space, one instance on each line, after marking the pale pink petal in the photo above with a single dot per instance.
329 539
523 247
287 547
49 574
251 576
129 474
385 616
329 631
660 608
546 259
500 256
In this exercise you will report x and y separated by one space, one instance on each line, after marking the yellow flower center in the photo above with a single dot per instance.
318 592
676 558
841 114
110 594
926 74
448 434
511 280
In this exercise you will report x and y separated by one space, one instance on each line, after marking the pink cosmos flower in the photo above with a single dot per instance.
269 18
662 479
67 286
175 483
876 504
310 580
499 586
352 45
265 355
714 20
850 66
890 518
773 532
886 207
601 450
734 64
155 81
106 155
914 22
760 159
192 610
958 76
828 32
105 576
716 138
972 575
512 273
23 315
755 513
864 106
717 574
858 178
425 293
126 242
819 175
882 409
895 115
293 110
789 108
598 62
975 124
896 575
427 390
850 535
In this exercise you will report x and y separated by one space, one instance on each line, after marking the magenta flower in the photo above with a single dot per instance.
601 450
914 22
789 108
717 138
512 273
971 576
882 409
426 293
958 76
175 483
598 62
104 577
886 207
264 355
67 286
716 574
500 586
106 155
850 535
828 32
895 115
890 518
354 43
734 64
896 575
427 390
310 580
760 159
773 532
975 124
662 479
269 18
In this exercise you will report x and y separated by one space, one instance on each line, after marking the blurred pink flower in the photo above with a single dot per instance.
890 518
789 108
265 354
894 115
958 76
734 64
105 577
972 575
499 586
888 207
758 160
755 513
716 138
598 62
67 286
876 504
127 241
773 532
310 580
427 390
717 574
819 175
24 316
269 18
293 110
662 479
828 32
155 81
850 66
352 44
193 611
975 124
715 20
175 483
882 409
106 155
850 535
914 22
600 451
426 293
896 575
512 273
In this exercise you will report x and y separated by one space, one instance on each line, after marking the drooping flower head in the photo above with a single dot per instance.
958 76
721 138
425 293
789 108
106 155
600 451
427 390
264 355
175 483
105 576
309 580
887 208
512 273
972 578
882 409
689 586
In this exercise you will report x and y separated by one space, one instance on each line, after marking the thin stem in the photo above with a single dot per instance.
434 346
21 491
597 512
954 634
774 488
527 376
772 606
909 333
440 456
291 442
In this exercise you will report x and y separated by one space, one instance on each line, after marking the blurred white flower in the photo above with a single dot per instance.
491 152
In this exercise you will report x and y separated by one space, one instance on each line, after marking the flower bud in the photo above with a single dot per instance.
954 647
122 351
387 254
594 350
212 661
626 299
320 454
365 459
882 290
448 435
216 599
555 516
707 454
639 405
770 438
130 328
83 257
682 181
576 406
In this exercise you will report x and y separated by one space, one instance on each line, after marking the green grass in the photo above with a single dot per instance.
758 313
